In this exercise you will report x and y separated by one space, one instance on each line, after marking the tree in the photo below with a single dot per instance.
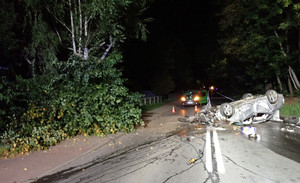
41 43
86 95
94 26
254 36
40 32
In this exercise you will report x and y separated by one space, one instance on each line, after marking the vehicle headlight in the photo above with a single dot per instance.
196 98
183 99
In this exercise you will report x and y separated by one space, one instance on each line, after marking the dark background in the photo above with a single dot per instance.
182 42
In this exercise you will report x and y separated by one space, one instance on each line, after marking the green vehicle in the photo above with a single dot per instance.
194 97
203 97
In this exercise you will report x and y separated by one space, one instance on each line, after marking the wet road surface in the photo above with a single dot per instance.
188 152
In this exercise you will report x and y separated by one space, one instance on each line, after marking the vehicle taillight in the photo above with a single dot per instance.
196 98
183 99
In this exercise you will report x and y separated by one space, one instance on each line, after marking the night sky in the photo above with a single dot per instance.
182 41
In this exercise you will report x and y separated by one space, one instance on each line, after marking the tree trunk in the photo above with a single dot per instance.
290 86
299 45
279 83
80 28
86 50
86 54
294 78
72 28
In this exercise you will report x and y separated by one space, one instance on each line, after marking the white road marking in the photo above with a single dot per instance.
209 167
220 163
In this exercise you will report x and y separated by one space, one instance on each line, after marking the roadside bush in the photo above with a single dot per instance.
84 97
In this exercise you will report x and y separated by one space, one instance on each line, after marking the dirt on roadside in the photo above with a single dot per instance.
291 100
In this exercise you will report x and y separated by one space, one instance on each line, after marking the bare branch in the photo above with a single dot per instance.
58 35
100 45
107 49
280 44
30 62
75 53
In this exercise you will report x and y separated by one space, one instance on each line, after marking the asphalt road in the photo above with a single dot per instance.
171 151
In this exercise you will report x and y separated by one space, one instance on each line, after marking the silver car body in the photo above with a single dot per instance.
252 109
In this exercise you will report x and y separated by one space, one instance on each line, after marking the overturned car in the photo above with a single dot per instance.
250 109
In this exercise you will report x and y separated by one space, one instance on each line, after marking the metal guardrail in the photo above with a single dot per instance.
152 100
158 99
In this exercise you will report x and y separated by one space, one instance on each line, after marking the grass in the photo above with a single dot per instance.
290 109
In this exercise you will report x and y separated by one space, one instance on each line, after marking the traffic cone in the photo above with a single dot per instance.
196 109
173 109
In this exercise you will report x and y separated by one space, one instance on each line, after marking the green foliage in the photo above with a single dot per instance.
66 98
84 98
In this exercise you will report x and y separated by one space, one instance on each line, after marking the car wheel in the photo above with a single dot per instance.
272 96
227 110
246 95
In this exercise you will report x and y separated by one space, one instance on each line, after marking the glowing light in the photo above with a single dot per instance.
183 99
196 98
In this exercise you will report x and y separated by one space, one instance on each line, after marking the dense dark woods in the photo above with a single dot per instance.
236 45
181 43
75 67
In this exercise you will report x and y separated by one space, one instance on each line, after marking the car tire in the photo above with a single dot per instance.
291 120
246 95
272 96
227 110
